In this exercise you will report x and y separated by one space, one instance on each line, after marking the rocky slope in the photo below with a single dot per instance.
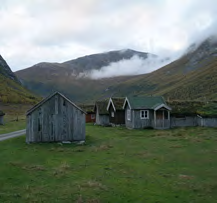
6 71
11 90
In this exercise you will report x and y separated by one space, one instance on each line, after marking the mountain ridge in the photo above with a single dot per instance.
44 78
190 77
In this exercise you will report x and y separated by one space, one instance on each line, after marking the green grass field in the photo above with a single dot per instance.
12 125
115 165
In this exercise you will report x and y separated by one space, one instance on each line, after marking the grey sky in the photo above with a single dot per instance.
32 31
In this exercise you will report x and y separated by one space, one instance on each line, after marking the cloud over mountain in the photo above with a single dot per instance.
56 30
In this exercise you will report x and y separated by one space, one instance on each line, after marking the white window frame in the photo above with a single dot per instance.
128 114
144 114
112 114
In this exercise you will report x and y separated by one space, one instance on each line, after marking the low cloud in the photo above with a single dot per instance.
133 66
55 30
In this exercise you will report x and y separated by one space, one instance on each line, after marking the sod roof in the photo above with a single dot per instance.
102 106
118 102
88 108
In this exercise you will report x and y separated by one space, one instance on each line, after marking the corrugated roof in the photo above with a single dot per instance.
118 102
47 98
145 102
102 106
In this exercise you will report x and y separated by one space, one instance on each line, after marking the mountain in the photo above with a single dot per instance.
192 77
44 78
6 71
11 90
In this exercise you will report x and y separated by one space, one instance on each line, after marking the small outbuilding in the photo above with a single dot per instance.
116 111
102 115
55 119
146 112
90 114
2 117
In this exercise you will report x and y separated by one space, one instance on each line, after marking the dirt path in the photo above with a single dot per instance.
12 134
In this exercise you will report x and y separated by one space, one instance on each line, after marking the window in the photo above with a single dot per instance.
144 114
92 116
112 114
39 125
128 114
64 102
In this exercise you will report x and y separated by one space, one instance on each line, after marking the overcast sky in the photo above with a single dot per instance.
33 31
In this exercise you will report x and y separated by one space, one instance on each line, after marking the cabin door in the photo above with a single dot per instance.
162 119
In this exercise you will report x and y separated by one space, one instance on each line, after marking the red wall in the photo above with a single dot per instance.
89 119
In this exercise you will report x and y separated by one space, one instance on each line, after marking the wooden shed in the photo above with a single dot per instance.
2 117
116 111
145 112
55 119
102 115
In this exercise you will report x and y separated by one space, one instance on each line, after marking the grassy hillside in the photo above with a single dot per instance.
12 92
43 78
83 90
180 80
192 77
204 109
115 165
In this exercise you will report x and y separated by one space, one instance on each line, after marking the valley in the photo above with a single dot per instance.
192 77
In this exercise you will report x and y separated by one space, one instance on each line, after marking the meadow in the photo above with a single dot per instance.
114 165
15 118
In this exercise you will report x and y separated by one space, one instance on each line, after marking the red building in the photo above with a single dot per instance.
91 115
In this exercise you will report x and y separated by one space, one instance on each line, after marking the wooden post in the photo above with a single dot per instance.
163 119
168 118
154 119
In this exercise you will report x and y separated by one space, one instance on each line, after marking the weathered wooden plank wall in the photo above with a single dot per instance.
191 121
162 124
56 120
142 123
183 122
1 120
102 119
207 122
119 116
128 123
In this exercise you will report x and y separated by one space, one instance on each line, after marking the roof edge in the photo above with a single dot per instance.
110 102
162 105
47 98
126 101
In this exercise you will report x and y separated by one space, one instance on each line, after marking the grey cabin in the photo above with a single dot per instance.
102 115
55 119
116 111
146 112
2 117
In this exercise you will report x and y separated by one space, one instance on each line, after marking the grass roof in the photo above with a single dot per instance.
89 108
118 102
102 106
